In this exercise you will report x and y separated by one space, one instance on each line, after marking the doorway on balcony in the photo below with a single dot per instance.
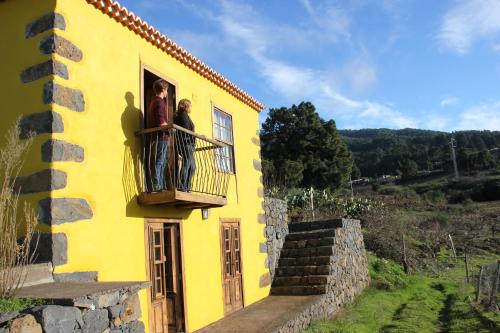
152 150
149 76
165 273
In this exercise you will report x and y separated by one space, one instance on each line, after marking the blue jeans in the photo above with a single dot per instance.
160 149
188 168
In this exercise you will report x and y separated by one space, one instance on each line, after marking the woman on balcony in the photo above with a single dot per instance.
185 144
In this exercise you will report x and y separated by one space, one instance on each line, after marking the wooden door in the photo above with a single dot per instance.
157 274
231 267
175 305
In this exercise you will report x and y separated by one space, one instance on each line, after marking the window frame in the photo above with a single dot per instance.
215 108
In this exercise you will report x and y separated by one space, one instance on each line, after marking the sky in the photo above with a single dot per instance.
431 64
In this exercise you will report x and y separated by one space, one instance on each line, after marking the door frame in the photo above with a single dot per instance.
162 220
238 221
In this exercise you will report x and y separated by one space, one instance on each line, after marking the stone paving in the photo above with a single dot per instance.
266 316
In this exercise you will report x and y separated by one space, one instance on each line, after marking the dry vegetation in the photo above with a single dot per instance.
15 254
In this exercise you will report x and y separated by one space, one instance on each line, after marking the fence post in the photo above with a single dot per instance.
466 266
405 262
478 291
493 293
312 202
453 247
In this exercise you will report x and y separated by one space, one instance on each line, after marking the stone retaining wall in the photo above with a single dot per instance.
110 313
276 219
348 277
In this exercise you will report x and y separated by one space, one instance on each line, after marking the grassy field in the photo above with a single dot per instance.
417 303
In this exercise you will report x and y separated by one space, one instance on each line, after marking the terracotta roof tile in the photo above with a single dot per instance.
143 29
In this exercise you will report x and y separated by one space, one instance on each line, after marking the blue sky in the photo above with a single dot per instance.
432 64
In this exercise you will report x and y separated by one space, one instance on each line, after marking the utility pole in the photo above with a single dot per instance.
453 144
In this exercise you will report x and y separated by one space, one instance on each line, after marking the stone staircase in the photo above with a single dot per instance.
314 256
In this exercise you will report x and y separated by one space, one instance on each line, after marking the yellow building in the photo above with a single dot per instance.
79 74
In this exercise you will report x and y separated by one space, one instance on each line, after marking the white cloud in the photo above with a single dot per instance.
449 101
468 22
244 27
481 117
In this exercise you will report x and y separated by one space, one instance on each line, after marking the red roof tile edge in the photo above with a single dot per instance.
143 29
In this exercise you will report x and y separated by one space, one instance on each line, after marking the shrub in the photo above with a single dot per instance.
435 197
14 255
386 274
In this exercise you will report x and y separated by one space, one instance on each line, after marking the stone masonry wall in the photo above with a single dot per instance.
117 312
348 277
276 229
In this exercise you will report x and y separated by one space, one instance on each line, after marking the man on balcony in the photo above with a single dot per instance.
157 116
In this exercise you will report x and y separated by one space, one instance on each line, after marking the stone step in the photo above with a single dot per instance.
307 252
306 243
304 261
307 235
299 290
311 226
303 270
316 280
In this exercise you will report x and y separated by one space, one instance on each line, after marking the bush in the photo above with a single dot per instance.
386 274
435 197
398 191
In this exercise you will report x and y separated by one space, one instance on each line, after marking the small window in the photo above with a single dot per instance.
223 132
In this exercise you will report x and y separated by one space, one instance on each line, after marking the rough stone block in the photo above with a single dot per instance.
95 320
41 181
25 324
51 67
37 274
265 280
90 276
54 211
260 192
39 123
61 46
107 300
135 327
7 316
63 96
263 247
261 219
131 309
45 23
115 311
58 319
58 150
51 247
257 165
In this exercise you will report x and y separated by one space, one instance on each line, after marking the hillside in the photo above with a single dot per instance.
410 151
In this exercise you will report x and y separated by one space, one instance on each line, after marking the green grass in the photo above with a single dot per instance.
17 304
417 303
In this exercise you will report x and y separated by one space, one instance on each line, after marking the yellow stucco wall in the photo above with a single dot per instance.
17 99
112 242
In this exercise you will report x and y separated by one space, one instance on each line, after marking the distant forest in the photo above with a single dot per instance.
407 152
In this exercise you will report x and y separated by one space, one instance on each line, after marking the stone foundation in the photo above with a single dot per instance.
88 308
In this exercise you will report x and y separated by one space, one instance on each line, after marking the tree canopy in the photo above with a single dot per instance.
404 152
299 148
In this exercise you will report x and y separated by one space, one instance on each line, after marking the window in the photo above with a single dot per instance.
223 131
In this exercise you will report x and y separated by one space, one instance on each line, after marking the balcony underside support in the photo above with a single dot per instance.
181 199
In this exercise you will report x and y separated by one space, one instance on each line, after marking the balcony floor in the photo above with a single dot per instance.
181 199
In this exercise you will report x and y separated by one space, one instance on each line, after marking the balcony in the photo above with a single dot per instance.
194 174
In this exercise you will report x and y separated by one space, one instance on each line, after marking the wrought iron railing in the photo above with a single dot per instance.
174 158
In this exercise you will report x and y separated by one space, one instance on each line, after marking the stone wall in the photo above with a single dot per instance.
276 218
348 266
116 312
